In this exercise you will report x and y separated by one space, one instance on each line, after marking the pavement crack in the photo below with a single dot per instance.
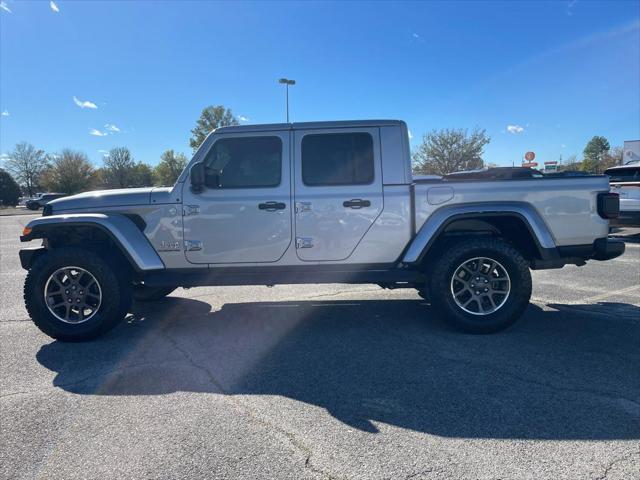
290 436
545 384
5 395
609 466
344 292
417 474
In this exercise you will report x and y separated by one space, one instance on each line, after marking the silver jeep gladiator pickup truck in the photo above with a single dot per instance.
325 202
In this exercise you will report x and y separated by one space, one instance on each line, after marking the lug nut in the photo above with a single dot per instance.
69 300
67 292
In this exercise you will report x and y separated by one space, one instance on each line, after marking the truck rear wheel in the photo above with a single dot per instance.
72 294
480 285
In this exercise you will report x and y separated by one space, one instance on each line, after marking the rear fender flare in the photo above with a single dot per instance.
441 218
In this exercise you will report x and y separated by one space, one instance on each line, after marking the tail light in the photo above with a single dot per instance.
608 205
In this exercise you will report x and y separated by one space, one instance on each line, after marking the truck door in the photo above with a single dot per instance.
244 214
338 190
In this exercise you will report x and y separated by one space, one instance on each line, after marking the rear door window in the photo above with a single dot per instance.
337 159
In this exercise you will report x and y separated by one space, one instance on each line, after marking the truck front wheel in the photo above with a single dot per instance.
480 285
72 294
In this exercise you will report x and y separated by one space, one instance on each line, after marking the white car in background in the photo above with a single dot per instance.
625 181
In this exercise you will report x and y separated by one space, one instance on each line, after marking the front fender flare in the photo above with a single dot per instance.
442 217
124 233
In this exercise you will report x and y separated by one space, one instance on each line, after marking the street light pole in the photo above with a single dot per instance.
287 82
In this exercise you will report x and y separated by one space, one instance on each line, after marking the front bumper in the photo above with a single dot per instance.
29 255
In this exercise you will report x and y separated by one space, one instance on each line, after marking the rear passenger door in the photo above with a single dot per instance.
338 190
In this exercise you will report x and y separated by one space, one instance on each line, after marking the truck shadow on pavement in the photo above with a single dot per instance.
570 372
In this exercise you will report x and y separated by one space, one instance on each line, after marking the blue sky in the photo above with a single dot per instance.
541 76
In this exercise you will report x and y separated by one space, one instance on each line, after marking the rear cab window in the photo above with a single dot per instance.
337 159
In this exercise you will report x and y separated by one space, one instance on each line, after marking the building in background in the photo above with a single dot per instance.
631 151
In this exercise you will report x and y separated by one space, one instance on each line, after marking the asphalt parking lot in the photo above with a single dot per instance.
329 381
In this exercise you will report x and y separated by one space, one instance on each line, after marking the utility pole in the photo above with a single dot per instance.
287 82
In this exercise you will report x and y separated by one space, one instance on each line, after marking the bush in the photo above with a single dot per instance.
9 189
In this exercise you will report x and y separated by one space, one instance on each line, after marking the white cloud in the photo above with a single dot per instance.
562 145
53 6
3 6
111 128
515 129
97 133
410 134
570 7
242 118
5 113
417 37
84 104
4 156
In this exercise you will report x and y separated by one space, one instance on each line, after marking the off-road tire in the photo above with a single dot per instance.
452 256
142 293
115 287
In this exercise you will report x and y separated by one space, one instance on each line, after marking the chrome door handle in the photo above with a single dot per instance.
356 203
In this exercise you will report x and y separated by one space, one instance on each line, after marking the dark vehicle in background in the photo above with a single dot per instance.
41 200
495 173
568 173
625 181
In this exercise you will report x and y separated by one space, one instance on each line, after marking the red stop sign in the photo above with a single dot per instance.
529 156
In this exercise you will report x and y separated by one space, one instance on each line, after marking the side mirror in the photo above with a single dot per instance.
197 177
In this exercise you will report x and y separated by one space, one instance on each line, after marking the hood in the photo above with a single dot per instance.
105 198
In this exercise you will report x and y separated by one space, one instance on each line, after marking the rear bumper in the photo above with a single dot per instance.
601 249
607 248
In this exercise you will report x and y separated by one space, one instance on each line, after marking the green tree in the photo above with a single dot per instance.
26 163
593 153
210 119
141 175
450 150
170 167
611 158
118 168
70 172
9 189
